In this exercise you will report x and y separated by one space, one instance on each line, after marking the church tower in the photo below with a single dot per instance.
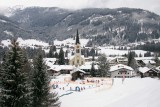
77 46
77 59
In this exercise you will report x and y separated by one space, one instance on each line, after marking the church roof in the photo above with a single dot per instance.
77 38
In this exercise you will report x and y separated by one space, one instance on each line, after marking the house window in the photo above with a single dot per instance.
77 61
82 62
73 62
77 50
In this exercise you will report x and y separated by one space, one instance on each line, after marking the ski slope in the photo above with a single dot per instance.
134 92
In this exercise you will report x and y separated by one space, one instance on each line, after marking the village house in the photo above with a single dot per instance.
118 65
117 60
158 70
147 72
87 68
145 61
120 71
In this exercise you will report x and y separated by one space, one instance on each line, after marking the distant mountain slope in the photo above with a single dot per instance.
10 29
115 26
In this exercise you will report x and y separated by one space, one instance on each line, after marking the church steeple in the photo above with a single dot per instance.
77 38
77 60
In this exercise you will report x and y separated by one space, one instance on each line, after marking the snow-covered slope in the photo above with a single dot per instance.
26 43
134 92
116 52
70 42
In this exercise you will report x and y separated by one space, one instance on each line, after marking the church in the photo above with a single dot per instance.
77 59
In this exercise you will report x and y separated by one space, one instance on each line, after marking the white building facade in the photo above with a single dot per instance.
122 71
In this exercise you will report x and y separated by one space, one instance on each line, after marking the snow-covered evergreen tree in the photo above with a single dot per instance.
41 97
103 66
157 61
61 59
131 60
14 88
56 55
92 70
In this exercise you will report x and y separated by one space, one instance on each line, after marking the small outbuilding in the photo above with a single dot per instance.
77 74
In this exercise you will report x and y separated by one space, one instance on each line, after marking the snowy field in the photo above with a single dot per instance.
134 92
107 51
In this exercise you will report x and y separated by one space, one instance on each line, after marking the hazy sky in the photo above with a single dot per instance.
151 5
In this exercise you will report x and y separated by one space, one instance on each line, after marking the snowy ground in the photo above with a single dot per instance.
134 92
107 51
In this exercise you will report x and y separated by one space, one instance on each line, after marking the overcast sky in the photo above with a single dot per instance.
151 5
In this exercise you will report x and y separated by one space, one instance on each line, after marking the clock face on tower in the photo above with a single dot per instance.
77 46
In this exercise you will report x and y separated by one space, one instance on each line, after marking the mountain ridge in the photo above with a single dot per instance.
110 26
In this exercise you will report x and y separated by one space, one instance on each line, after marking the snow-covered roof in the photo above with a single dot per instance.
144 58
158 68
55 68
119 58
68 67
49 61
77 70
120 66
149 61
88 66
143 69
90 57
61 67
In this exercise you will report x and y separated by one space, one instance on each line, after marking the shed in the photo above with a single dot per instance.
77 74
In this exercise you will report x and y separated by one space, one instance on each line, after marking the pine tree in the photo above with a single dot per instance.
51 53
92 70
103 66
157 60
87 52
56 55
92 52
61 59
41 97
131 60
14 88
148 54
54 48
93 57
